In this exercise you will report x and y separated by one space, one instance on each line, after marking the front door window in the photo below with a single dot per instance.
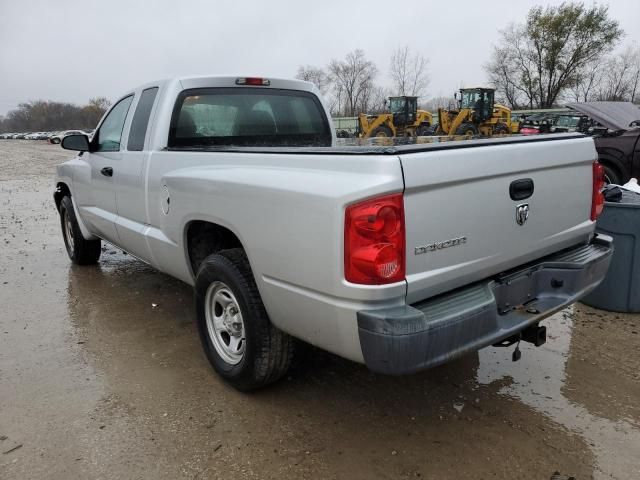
110 133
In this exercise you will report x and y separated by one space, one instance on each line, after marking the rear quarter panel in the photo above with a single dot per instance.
288 212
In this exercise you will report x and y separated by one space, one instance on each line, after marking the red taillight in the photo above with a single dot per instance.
597 199
374 250
253 81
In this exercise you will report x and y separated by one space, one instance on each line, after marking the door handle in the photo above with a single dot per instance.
107 171
521 189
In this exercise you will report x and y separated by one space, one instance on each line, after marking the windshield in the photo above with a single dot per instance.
470 98
567 121
396 105
248 117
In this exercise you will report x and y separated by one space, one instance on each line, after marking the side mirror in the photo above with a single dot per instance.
79 143
455 95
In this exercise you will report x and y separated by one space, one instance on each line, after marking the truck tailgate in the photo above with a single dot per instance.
461 220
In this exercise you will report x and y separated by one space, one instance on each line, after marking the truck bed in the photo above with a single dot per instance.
388 146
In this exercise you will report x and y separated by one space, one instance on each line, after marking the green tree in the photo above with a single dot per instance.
536 62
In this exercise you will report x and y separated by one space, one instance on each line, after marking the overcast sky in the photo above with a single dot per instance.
69 50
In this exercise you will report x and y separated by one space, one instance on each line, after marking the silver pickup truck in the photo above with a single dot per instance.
399 257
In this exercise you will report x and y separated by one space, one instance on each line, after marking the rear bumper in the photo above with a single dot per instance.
409 338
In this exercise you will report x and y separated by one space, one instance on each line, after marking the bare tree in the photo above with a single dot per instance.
512 70
409 72
352 80
315 75
536 63
433 104
587 82
620 76
615 79
41 115
374 100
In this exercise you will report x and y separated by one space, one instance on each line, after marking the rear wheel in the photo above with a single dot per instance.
240 341
468 129
500 129
424 130
80 250
381 131
611 175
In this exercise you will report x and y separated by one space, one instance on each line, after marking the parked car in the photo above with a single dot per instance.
571 122
57 138
35 136
399 257
617 137
535 124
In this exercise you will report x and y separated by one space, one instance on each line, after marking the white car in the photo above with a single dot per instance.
34 136
57 137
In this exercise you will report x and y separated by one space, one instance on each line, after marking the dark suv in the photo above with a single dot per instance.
616 137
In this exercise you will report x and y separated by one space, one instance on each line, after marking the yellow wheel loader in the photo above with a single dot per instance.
403 120
477 114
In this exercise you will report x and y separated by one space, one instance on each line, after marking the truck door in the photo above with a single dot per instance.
95 196
129 180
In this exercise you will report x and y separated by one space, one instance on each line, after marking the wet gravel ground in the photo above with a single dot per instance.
97 382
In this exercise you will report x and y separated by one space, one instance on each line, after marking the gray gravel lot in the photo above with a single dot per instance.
97 382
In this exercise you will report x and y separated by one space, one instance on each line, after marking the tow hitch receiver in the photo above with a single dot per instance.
534 334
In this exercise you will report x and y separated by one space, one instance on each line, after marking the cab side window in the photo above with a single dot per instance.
140 119
110 132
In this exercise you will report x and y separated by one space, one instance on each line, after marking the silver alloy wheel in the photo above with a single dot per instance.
68 232
224 323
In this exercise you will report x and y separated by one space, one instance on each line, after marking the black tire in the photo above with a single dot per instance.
381 131
424 130
267 351
55 141
467 129
500 129
611 175
80 251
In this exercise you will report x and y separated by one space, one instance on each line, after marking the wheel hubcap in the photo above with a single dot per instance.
224 323
68 232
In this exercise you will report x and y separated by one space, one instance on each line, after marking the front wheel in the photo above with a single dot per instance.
381 131
80 250
240 341
468 129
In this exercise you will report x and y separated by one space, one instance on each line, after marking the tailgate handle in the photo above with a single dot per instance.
521 189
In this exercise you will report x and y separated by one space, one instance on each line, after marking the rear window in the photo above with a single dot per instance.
248 117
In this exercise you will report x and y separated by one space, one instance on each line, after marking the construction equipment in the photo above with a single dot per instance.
403 120
477 114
